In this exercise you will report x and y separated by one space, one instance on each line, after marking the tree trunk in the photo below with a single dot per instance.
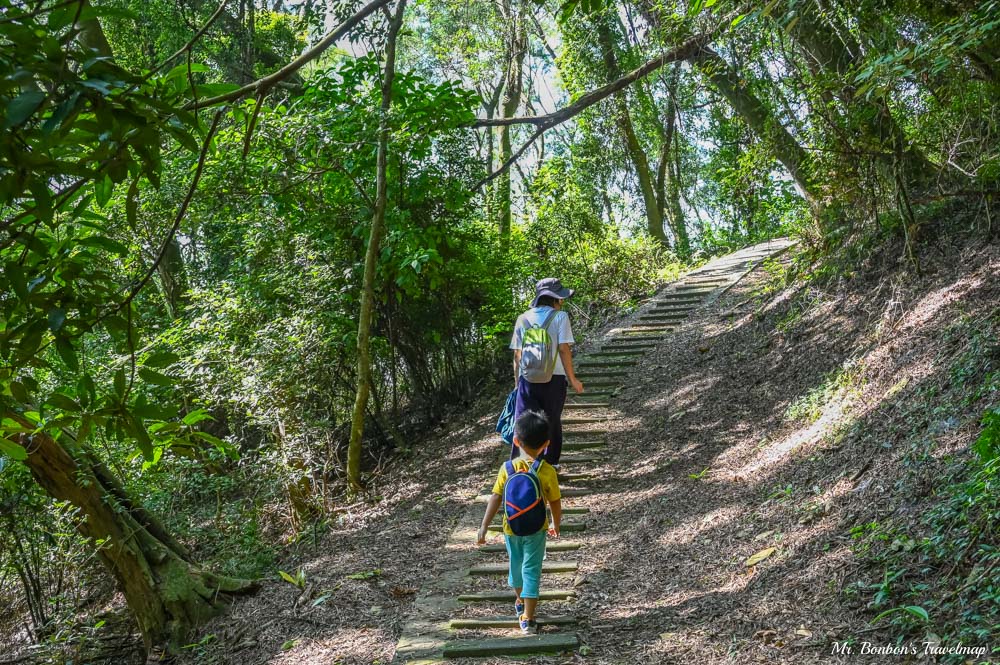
654 218
371 258
167 593
513 89
668 186
491 108
760 119
173 281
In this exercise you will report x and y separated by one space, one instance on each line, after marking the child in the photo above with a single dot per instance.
526 551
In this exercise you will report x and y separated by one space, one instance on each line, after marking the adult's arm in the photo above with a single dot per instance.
566 354
517 366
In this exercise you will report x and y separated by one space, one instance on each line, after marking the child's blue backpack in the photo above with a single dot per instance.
523 505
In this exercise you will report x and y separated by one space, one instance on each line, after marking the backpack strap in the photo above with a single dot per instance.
537 465
548 319
509 466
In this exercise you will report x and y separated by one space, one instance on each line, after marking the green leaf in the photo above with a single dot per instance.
138 431
196 417
21 107
156 378
103 187
120 383
107 244
63 402
65 349
13 450
161 359
57 316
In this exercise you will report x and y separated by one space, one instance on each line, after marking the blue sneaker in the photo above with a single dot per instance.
528 626
518 607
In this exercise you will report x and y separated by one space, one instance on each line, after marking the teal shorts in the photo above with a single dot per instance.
526 554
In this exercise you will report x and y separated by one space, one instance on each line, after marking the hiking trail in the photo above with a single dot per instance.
465 598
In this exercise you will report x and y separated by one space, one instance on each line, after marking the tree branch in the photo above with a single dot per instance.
513 158
263 85
687 50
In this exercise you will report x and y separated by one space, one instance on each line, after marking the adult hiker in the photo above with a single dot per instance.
543 361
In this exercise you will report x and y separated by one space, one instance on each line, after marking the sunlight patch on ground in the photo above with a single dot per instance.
833 414
689 530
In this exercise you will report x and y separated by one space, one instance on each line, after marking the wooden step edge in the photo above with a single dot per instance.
510 622
512 646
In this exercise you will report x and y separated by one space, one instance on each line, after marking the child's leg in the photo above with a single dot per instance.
533 550
515 552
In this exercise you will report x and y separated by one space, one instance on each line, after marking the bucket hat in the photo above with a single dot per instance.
550 286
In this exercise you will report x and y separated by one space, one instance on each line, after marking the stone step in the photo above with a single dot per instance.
627 346
583 445
512 646
626 337
486 623
650 327
672 308
566 477
678 299
584 420
694 289
554 546
618 353
578 433
553 567
607 364
508 595
662 318
581 459
587 405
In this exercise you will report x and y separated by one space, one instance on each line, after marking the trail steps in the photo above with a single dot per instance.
433 632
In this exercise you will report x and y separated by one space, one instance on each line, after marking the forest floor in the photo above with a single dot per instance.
778 417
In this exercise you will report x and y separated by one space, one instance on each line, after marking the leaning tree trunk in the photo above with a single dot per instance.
371 258
513 89
167 592
763 122
640 163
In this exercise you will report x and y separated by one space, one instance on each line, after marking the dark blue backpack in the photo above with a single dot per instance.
523 504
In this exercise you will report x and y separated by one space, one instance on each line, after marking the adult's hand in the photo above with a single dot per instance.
577 386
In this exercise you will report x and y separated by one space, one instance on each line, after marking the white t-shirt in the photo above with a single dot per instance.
559 329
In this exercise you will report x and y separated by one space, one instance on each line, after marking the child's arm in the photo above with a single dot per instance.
492 506
556 507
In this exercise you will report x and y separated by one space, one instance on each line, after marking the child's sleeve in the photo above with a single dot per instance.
550 485
501 479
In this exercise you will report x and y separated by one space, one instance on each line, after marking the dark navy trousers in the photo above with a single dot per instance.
550 398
